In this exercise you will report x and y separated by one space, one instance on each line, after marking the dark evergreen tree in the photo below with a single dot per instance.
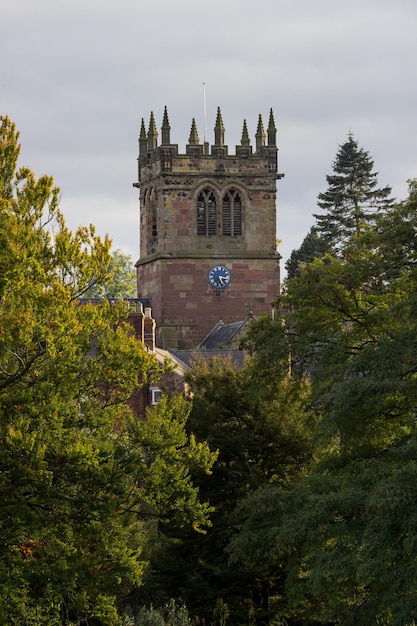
352 198
312 246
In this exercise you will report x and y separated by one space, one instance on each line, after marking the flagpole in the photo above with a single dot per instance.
205 113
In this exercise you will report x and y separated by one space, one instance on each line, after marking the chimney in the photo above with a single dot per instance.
149 325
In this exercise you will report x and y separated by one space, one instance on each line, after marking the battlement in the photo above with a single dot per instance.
205 159
201 209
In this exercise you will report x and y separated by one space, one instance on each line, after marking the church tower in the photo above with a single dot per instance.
207 230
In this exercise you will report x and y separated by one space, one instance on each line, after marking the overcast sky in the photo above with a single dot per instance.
77 77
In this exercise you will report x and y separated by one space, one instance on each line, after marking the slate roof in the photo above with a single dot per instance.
220 335
186 356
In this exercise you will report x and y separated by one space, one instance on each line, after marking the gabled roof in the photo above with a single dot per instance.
185 357
220 335
179 366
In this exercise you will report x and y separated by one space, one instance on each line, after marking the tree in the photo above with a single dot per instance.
256 418
352 198
347 531
79 488
312 246
121 282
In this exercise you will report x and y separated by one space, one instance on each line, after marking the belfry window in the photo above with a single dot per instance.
232 214
206 213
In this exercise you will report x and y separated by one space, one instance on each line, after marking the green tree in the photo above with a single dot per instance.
348 529
256 417
121 282
79 488
352 198
311 247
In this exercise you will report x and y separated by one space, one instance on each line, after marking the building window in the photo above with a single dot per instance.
155 394
206 213
232 214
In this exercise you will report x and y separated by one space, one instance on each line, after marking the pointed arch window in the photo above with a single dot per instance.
206 213
232 214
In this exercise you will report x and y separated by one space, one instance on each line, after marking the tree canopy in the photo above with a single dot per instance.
121 281
352 198
82 479
311 247
347 530
351 202
257 417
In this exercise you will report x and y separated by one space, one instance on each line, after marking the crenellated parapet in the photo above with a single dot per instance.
208 240
164 158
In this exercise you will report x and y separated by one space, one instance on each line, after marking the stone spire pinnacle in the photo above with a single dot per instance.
272 131
193 140
142 135
143 140
245 141
165 129
260 134
219 129
152 134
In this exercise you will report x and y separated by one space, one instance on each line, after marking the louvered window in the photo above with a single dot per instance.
226 215
206 213
232 214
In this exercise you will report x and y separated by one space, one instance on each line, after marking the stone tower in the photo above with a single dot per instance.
207 230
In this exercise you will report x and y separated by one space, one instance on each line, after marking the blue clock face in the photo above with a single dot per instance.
219 277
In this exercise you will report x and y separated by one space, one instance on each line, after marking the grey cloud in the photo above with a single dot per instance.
80 76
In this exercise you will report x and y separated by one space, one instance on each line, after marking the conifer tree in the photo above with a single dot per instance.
312 246
352 198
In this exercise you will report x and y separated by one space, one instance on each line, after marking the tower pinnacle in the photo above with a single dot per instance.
219 130
165 129
152 134
272 131
260 135
193 140
245 141
143 140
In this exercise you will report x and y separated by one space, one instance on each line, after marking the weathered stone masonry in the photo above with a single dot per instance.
199 209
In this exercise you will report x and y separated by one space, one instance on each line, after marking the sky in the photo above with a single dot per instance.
77 77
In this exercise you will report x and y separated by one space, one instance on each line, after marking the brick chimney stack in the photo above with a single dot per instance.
149 325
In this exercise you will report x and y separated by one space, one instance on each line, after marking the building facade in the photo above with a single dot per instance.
207 230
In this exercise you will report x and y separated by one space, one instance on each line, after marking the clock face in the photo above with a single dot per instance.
219 277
